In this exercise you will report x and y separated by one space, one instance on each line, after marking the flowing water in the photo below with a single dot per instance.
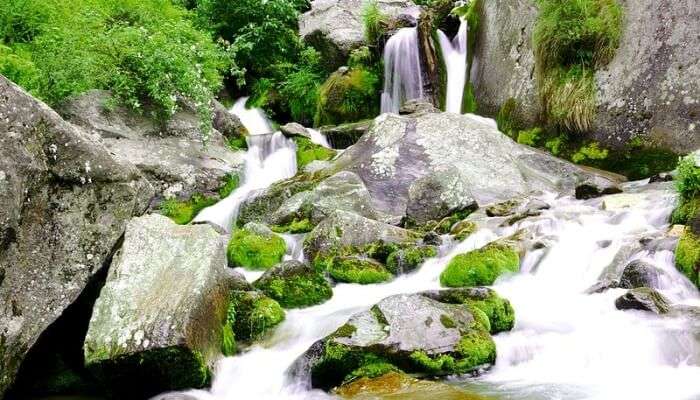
403 79
454 52
566 344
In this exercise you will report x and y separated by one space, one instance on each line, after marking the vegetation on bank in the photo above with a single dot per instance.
688 213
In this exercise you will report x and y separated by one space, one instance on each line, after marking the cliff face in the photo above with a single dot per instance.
650 90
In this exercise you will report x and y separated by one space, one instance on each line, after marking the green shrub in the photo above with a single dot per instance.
480 267
347 97
374 21
301 86
571 39
688 180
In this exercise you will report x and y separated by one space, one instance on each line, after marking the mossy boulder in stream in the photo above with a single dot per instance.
409 332
354 269
688 256
293 284
251 314
498 311
255 246
482 266
307 151
159 322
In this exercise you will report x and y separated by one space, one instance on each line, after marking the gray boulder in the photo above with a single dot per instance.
345 229
345 135
398 150
411 331
438 195
159 322
65 203
644 299
640 274
335 28
171 154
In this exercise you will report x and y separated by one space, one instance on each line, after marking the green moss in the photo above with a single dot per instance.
237 143
686 210
506 118
228 341
183 211
463 229
357 270
346 330
591 151
447 322
688 256
230 182
254 314
255 251
480 267
499 311
529 137
303 225
297 290
475 348
408 259
571 39
348 96
308 151
373 370
481 319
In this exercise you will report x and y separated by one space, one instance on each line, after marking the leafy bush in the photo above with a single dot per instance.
571 39
688 180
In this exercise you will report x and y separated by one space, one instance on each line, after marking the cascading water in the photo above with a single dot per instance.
403 79
566 344
455 55
270 158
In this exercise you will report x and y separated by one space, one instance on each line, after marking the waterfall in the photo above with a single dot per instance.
455 55
403 79
566 344
318 138
270 158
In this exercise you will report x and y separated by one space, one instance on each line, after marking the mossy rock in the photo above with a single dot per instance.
255 247
252 315
498 311
688 256
183 211
349 95
307 151
408 259
463 229
481 267
352 269
294 285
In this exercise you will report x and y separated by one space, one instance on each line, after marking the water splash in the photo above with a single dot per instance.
318 138
454 53
403 78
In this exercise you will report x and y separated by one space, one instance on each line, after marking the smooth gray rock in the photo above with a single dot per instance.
171 155
398 150
158 322
335 28
644 299
294 129
438 195
65 203
343 228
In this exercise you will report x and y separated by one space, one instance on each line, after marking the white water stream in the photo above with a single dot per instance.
566 344
454 53
403 79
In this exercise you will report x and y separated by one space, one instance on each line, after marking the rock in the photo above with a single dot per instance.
343 191
293 129
602 286
403 261
294 284
661 177
354 269
590 190
159 323
398 150
255 246
463 229
640 274
416 107
345 135
688 256
66 201
252 315
481 267
335 27
645 299
437 195
649 91
238 281
399 386
498 311
410 331
227 123
344 229
170 155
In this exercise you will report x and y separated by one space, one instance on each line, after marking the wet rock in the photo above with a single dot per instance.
159 322
412 332
590 190
345 135
602 286
661 177
640 274
252 315
437 195
238 281
66 201
645 299
498 311
405 260
294 284
399 385
171 154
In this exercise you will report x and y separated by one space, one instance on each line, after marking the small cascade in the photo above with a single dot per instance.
403 79
454 53
270 158
318 138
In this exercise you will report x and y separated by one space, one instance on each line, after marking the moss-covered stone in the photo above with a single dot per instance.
303 225
307 151
371 370
255 248
481 267
183 211
352 269
688 256
408 259
463 229
474 349
293 285
349 95
252 315
483 303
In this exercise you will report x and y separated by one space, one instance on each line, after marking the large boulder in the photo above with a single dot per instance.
644 299
650 90
65 203
399 150
170 154
160 321
335 27
410 332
